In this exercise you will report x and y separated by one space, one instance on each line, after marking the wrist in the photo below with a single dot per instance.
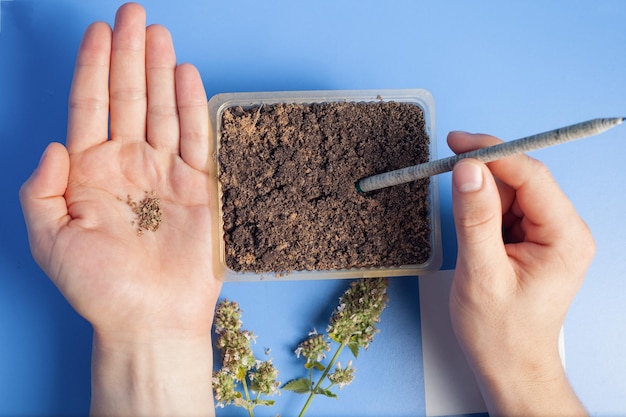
528 385
151 375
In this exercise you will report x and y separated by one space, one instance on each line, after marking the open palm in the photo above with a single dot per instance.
138 123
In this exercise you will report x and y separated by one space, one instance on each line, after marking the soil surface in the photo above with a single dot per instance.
289 202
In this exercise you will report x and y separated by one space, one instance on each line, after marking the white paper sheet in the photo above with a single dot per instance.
449 384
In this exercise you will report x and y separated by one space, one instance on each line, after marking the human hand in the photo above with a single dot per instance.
153 290
523 252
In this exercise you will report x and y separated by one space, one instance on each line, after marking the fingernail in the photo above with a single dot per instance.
467 177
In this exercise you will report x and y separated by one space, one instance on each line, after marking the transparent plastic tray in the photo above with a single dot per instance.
220 102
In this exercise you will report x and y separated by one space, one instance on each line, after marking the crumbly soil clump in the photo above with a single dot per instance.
289 202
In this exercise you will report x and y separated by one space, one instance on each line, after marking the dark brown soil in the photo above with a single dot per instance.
289 201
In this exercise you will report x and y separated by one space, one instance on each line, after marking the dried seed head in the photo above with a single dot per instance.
224 388
233 342
263 379
342 376
227 316
354 321
314 348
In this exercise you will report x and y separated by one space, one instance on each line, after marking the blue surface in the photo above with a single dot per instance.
281 314
510 69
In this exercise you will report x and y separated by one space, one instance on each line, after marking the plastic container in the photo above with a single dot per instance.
220 102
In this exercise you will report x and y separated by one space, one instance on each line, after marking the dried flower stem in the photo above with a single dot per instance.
316 389
352 325
249 406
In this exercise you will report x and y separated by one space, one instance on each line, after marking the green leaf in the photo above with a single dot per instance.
314 364
354 348
326 392
300 386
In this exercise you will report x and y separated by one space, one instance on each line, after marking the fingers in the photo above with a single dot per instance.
131 75
88 121
461 142
43 202
547 214
163 126
127 91
194 117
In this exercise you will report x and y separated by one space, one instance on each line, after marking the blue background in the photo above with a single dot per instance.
505 68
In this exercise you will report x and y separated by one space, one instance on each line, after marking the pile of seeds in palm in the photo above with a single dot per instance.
148 211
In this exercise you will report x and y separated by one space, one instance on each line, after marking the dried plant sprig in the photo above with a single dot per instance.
354 321
352 325
239 365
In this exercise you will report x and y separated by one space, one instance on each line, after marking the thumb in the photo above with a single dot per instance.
477 216
43 201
